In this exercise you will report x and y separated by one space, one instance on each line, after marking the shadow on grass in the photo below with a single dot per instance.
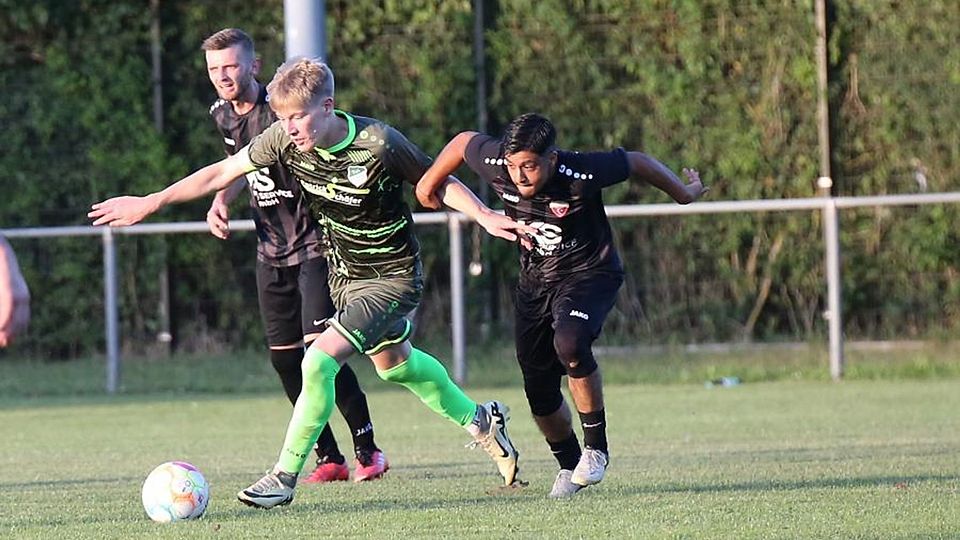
886 482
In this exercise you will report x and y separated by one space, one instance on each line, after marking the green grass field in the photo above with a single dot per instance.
786 459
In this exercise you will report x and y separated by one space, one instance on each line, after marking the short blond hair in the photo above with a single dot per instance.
300 82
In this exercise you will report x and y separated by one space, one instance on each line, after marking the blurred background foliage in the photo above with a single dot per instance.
725 86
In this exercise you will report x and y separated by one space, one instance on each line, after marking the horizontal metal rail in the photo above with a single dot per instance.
454 221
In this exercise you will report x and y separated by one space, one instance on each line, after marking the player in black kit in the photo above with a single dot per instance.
570 271
291 270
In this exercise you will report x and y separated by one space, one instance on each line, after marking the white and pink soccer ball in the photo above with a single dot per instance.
175 491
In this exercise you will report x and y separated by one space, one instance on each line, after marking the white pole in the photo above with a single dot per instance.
831 227
831 237
304 26
457 302
111 311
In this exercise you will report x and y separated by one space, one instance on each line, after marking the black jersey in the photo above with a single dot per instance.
286 234
354 190
573 234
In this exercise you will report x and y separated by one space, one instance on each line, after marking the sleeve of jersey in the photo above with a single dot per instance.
405 159
265 149
482 155
603 169
224 136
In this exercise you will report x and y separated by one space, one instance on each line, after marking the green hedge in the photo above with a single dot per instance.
726 86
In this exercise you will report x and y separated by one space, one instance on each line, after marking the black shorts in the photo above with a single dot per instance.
294 300
584 300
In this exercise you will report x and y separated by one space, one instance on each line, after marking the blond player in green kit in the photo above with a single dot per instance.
351 170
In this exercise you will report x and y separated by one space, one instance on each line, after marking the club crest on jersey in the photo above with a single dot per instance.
559 208
357 175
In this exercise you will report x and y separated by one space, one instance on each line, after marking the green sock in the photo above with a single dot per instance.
426 377
311 411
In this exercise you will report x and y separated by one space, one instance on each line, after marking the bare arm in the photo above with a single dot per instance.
14 296
659 176
122 211
459 197
218 217
447 162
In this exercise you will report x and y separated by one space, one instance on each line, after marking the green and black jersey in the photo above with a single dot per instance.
354 189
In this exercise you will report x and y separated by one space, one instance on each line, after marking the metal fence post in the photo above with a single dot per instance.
831 238
111 317
457 307
305 29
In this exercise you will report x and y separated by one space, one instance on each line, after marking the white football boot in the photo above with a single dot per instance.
489 430
563 487
274 489
591 467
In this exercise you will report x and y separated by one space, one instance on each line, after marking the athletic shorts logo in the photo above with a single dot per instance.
357 175
559 208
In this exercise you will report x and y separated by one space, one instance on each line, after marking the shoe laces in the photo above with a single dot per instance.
487 441
268 482
484 424
596 459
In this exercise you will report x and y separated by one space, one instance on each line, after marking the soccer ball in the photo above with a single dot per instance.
175 491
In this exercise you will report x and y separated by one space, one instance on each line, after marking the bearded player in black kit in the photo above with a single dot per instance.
291 270
570 270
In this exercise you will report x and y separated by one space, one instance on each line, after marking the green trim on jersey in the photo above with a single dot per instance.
351 132
386 230
355 191
374 251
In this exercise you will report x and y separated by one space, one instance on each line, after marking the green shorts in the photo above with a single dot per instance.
371 313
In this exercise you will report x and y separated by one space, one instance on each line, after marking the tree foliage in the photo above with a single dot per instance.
726 86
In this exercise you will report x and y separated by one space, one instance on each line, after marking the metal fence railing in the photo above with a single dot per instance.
829 207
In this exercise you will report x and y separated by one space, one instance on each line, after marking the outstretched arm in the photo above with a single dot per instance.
658 175
123 211
447 162
459 197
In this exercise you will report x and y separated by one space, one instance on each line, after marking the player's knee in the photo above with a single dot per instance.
573 345
310 369
318 366
543 395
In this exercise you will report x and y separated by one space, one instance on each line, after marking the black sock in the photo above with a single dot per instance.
286 362
594 430
326 448
567 451
352 403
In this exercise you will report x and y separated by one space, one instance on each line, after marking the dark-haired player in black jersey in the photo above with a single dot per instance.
291 270
570 271
351 170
